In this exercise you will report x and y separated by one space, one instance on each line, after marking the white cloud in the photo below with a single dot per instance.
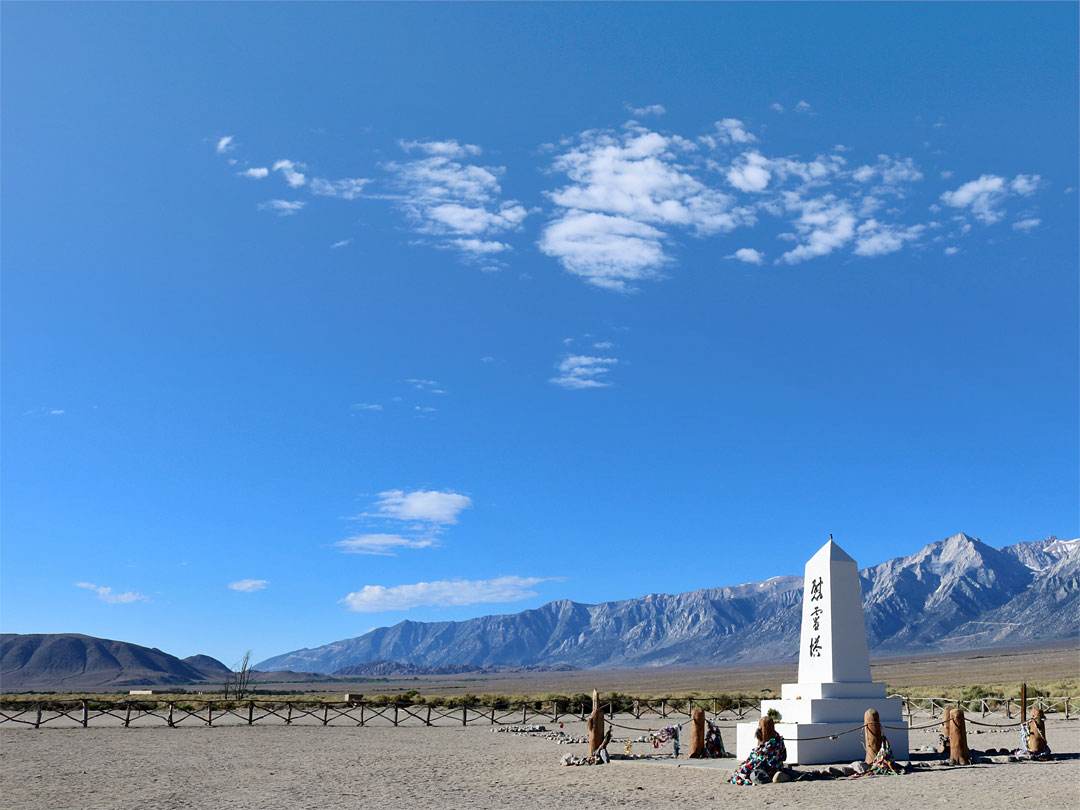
823 225
983 196
56 411
890 173
442 593
652 109
224 145
577 371
422 385
748 255
1027 224
106 594
750 173
293 176
730 130
609 252
457 202
255 174
603 344
366 406
479 247
381 545
946 174
282 208
624 189
429 506
1025 184
448 149
951 251
348 188
876 239
248 585
340 244
777 107
802 107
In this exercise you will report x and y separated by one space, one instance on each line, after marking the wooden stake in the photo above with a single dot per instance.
697 734
958 745
873 734
127 716
1038 716
37 723
945 712
251 712
1023 703
85 714
1036 741
596 724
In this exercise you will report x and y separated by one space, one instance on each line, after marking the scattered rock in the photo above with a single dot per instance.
781 776
1002 759
836 770
860 767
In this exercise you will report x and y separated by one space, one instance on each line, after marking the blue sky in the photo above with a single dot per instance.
319 317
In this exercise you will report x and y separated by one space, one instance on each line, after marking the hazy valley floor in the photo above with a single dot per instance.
294 767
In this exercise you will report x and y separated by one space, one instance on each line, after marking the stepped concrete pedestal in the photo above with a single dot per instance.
834 689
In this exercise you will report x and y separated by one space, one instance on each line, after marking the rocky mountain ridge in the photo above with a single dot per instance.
953 594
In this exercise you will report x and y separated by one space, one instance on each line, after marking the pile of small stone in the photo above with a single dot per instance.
533 729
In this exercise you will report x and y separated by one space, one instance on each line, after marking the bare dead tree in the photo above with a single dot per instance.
238 680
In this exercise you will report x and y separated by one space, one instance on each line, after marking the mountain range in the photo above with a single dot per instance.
957 593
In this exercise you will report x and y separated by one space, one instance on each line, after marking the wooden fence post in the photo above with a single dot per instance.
428 721
697 734
361 723
395 714
945 732
325 714
288 713
555 710
37 722
596 724
209 714
127 716
1023 703
172 724
873 734
251 712
958 746
85 713
464 715
524 716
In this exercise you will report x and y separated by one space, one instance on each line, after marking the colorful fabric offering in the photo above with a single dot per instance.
883 764
762 764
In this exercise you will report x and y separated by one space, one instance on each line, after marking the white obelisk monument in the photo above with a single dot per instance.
834 689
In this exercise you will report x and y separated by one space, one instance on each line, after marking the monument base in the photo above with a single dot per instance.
812 713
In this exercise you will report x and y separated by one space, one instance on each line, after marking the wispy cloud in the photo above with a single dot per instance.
577 371
985 196
651 109
748 255
282 208
224 145
456 204
448 149
105 594
348 188
802 107
340 244
292 172
428 506
443 593
366 406
1029 224
382 545
248 585
776 106
255 173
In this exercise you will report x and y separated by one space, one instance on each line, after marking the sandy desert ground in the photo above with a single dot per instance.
302 766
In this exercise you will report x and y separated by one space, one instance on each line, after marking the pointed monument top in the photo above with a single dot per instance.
832 552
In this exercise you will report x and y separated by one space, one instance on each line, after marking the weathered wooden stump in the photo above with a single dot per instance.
872 721
596 724
697 734
1038 716
944 747
958 745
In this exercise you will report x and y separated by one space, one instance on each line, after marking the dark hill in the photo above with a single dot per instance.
73 661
